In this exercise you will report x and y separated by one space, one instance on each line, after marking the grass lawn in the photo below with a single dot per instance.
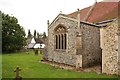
0 65
31 67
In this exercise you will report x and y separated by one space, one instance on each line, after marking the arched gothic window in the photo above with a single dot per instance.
60 37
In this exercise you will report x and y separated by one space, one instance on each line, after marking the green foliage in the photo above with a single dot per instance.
13 38
32 67
29 34
44 35
34 33
0 32
38 35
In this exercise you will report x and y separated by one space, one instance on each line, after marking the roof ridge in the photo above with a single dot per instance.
90 11
102 11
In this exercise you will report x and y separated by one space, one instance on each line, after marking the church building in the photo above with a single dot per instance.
86 38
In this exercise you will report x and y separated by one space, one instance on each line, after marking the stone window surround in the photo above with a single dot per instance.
60 34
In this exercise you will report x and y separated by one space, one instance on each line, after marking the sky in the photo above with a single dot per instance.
33 14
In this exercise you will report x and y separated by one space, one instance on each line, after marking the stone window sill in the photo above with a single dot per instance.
60 50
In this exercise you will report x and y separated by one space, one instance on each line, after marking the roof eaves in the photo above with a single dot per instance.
91 24
106 21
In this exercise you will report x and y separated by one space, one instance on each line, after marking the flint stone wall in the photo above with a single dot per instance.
67 56
90 44
109 44
91 50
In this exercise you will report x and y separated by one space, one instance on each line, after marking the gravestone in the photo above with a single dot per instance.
17 70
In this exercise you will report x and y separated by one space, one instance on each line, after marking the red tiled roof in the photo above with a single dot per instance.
101 11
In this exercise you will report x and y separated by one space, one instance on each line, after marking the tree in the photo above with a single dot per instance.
0 32
44 35
29 34
38 36
34 33
13 38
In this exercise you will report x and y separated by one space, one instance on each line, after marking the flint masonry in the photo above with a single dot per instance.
86 37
